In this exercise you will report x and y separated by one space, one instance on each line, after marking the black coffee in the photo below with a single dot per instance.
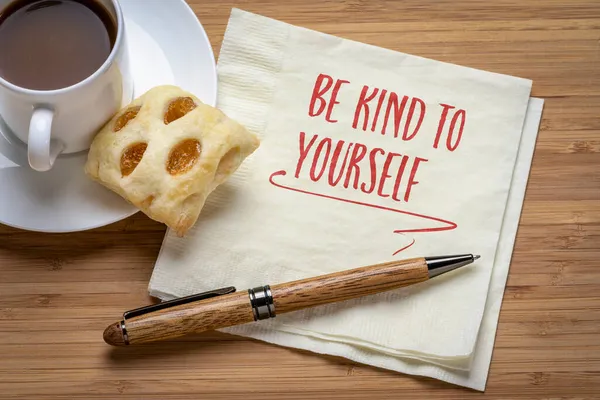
52 44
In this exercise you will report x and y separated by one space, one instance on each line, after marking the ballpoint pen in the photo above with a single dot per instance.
225 307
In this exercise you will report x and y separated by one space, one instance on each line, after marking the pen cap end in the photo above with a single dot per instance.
113 335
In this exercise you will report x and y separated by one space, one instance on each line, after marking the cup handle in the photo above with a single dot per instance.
41 151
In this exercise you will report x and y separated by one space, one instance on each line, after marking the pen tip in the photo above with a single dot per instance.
477 257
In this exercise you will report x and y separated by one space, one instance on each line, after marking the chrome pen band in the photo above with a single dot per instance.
261 301
124 331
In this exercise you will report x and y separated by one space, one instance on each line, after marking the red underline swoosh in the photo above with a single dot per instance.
449 225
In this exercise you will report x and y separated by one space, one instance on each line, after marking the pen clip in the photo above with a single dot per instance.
177 302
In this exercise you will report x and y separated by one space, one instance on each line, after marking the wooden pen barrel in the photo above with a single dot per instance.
210 314
235 308
349 284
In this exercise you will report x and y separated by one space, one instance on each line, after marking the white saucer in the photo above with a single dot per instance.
167 45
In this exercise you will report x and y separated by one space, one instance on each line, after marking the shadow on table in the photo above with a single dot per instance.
136 238
215 353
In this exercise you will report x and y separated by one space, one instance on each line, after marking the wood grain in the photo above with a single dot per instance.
58 292
349 284
218 312
236 308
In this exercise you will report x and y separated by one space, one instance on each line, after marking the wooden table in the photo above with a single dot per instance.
58 292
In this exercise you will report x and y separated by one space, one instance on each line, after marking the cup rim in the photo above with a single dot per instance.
103 68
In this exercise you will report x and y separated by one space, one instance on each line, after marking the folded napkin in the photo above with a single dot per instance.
476 376
367 155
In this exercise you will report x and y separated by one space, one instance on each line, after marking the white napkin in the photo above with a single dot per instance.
476 377
264 227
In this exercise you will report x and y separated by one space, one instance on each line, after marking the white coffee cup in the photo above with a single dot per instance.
65 120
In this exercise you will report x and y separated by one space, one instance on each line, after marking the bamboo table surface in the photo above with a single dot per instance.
59 291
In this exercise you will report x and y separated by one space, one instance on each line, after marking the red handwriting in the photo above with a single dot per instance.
325 143
363 109
356 165
372 156
358 153
303 152
318 93
446 225
333 181
363 106
374 171
462 114
371 103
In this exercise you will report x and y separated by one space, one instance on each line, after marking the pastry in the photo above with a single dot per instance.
166 152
